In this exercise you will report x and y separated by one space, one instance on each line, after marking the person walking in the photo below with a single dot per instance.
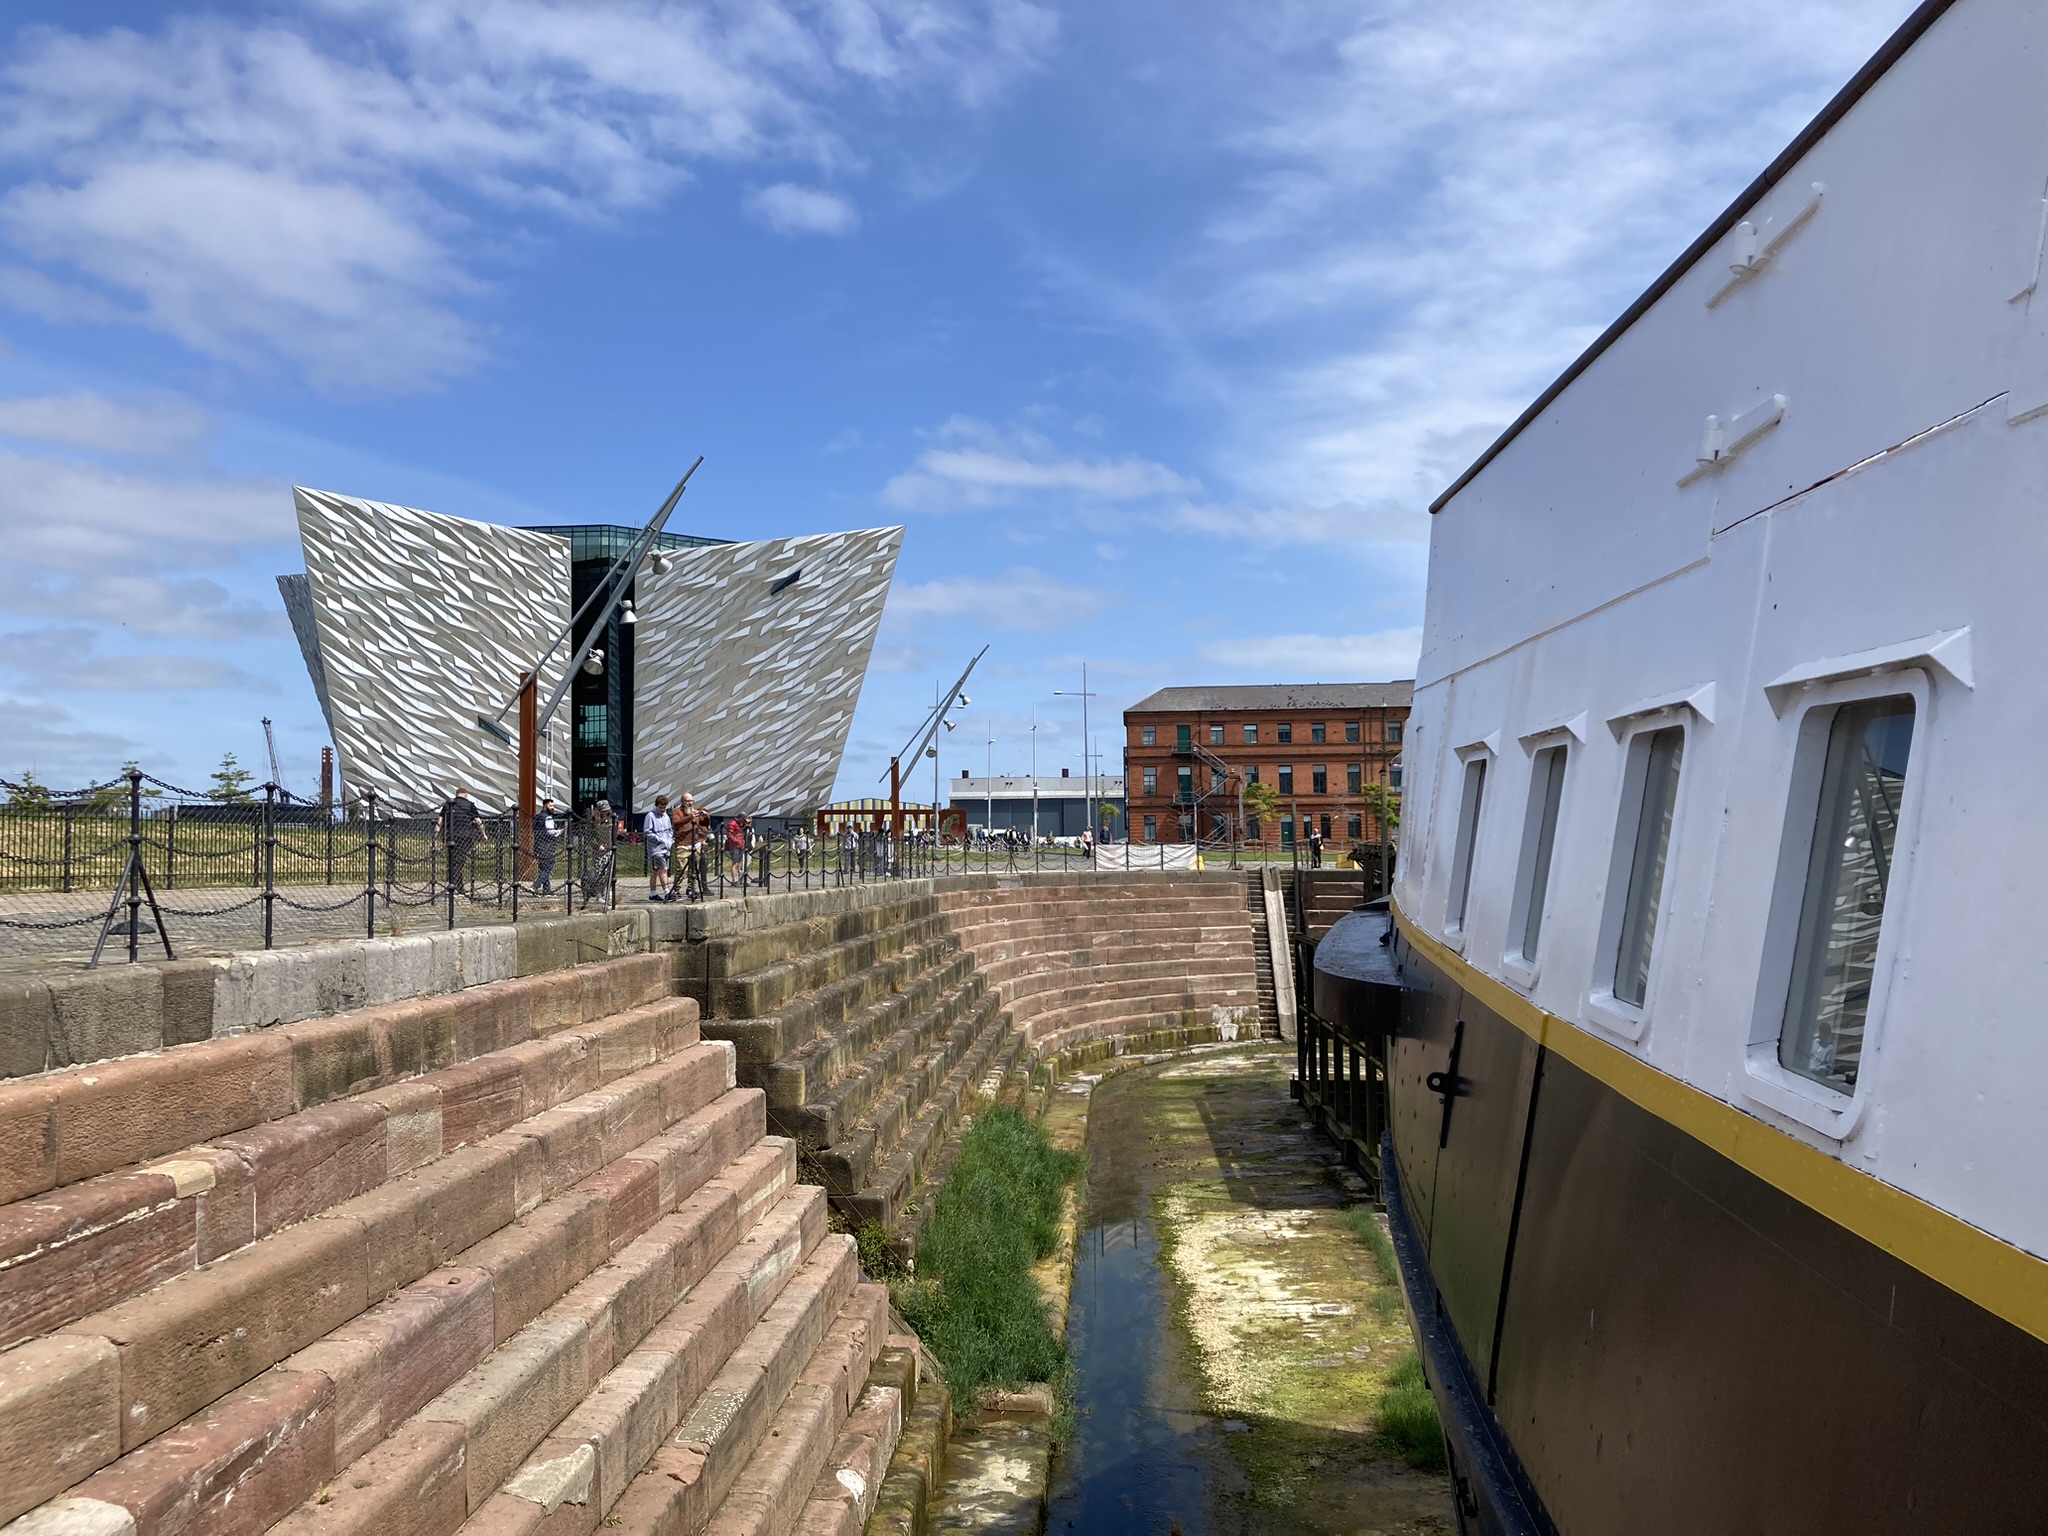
1315 847
601 831
736 847
800 845
547 843
658 834
459 825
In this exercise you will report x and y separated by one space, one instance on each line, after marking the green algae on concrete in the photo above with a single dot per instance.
1259 1383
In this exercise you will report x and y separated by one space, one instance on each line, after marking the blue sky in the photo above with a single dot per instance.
1158 325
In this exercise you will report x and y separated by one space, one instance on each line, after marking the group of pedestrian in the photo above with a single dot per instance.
675 834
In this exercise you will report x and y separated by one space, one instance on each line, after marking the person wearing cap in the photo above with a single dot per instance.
547 842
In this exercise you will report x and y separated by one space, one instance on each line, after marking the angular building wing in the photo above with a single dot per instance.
736 680
750 659
422 622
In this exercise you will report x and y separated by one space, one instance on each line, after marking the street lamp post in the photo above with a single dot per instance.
988 783
1088 788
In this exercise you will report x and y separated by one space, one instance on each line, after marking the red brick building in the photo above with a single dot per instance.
1188 751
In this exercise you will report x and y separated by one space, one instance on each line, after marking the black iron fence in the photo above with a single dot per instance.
137 866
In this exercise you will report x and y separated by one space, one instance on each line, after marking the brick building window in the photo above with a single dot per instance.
1251 735
1151 827
1187 784
1183 737
1318 733
1286 778
1319 779
1351 730
1216 735
1151 781
1394 731
1286 736
1353 828
1326 824
1148 735
1286 831
1354 775
1394 777
1251 774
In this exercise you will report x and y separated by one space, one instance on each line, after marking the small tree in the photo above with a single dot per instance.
1261 803
30 794
1386 806
231 781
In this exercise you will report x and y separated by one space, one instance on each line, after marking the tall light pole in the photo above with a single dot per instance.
988 822
1034 786
1088 789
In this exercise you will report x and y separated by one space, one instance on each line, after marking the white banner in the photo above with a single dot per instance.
1147 856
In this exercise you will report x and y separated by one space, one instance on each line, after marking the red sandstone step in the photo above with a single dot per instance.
247 1459
63 1126
844 1495
471 1430
204 1334
809 1014
593 1455
768 1498
888 1184
687 1479
83 1247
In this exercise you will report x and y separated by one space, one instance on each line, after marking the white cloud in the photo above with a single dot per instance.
980 465
47 740
87 521
1391 653
792 210
84 418
1433 205
308 190
65 658
1021 598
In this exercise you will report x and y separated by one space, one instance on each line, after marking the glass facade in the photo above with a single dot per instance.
601 743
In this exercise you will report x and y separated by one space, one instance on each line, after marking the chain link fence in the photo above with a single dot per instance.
138 868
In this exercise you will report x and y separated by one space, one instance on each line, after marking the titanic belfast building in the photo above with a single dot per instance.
732 673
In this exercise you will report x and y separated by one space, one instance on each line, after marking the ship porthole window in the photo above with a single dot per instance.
1848 879
1470 800
1844 868
1636 877
1539 843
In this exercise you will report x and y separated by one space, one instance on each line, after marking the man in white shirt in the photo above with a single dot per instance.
658 833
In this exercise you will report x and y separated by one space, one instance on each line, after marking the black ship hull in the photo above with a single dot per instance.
1629 1331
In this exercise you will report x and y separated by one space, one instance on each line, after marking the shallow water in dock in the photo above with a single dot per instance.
1226 1349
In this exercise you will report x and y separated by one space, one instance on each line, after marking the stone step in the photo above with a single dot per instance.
1127 1035
1236 1004
847 1490
760 1041
688 1478
755 994
87 1245
536 1430
770 1495
824 1059
847 1165
736 954
903 1506
822 1119
1019 983
1098 918
60 1127
890 1183
525 1206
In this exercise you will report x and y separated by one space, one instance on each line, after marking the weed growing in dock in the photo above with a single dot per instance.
974 1301
1405 1418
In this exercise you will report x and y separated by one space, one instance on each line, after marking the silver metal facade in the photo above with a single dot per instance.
425 622
744 694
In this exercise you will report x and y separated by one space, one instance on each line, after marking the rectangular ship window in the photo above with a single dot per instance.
1461 851
1664 751
1539 839
1848 872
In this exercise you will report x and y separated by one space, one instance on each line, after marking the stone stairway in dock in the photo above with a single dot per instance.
860 1016
1091 965
519 1257
533 1232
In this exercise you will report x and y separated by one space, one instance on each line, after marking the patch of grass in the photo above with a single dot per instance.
974 1301
1405 1420
1365 1226
878 1260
